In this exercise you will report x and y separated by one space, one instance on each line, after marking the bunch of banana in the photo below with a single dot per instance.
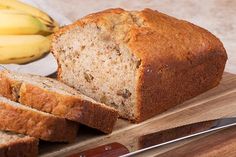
23 32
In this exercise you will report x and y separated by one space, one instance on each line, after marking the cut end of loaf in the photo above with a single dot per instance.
96 61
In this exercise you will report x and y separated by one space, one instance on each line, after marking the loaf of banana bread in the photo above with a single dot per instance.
139 62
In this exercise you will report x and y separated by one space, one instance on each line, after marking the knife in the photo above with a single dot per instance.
159 138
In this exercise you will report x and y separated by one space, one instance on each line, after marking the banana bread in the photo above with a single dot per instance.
139 62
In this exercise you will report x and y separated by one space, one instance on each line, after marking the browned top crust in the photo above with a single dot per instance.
169 34
147 26
165 46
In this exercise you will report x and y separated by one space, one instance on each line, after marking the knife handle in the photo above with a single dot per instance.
109 150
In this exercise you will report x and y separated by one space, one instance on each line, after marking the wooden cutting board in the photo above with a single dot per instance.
215 103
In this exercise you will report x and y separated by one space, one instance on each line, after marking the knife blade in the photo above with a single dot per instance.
160 138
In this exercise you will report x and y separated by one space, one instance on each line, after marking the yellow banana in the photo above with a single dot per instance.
43 17
3 7
16 23
22 48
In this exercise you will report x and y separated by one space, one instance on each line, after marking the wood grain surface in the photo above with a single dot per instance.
215 103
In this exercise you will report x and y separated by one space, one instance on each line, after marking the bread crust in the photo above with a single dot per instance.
45 127
178 59
73 108
184 62
24 147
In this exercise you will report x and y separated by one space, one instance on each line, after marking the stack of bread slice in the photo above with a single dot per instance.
46 109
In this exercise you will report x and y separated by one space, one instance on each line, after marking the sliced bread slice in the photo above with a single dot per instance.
25 120
17 145
54 97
